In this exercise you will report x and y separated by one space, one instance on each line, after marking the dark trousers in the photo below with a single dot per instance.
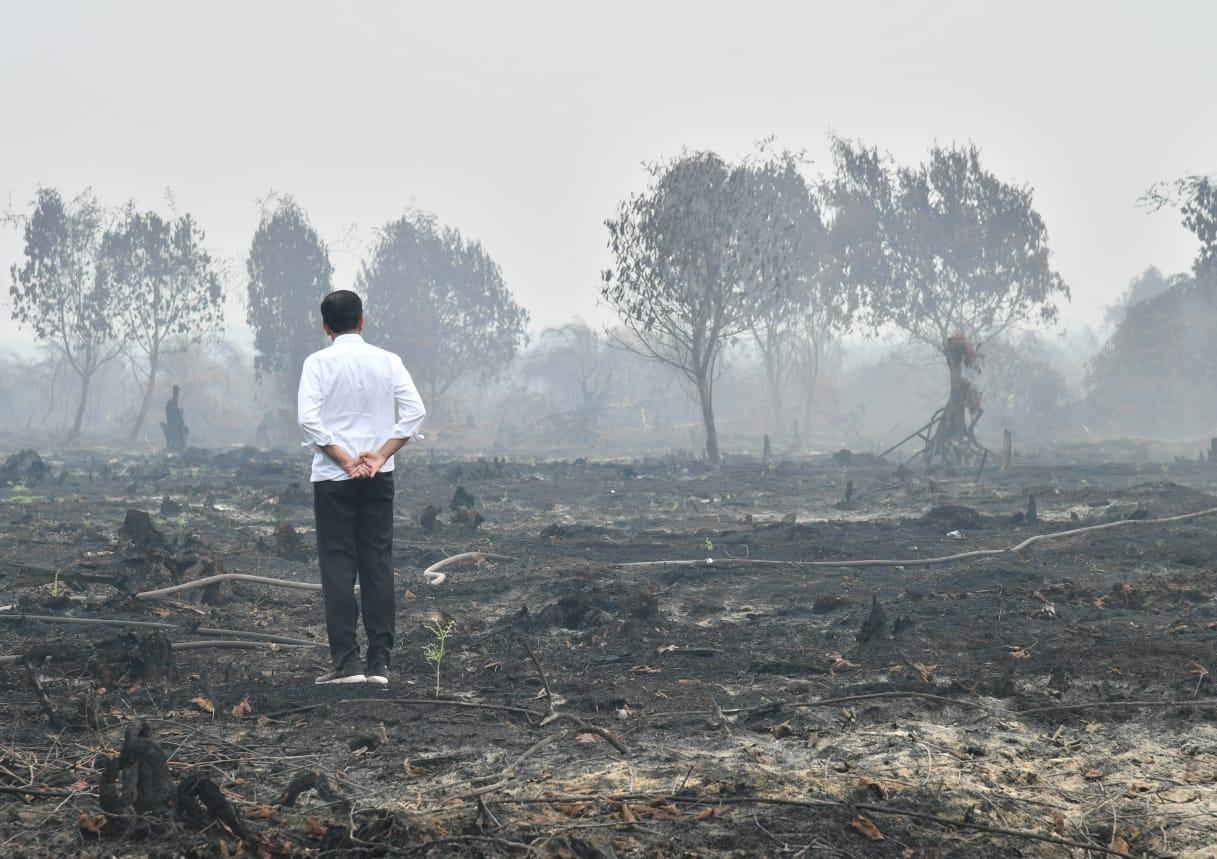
355 537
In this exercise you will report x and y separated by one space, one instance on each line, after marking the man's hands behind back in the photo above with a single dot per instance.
355 466
357 469
372 461
367 464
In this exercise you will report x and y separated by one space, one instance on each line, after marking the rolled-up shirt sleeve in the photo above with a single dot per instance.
410 409
308 407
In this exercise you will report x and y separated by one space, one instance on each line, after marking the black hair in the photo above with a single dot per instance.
342 310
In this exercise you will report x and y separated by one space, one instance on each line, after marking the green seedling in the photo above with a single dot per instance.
437 650
709 544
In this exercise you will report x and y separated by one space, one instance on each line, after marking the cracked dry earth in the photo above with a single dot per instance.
1052 703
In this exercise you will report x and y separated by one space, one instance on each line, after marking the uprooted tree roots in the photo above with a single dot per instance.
952 431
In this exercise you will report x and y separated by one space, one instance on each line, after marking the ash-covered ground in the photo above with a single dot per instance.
1010 704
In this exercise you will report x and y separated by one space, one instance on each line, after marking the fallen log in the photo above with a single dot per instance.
227 577
89 621
270 637
811 803
144 624
38 793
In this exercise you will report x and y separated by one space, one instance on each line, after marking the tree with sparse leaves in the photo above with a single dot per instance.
289 273
56 292
792 327
945 252
169 286
696 257
440 301
1196 199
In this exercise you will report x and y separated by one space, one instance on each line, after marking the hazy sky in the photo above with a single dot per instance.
523 124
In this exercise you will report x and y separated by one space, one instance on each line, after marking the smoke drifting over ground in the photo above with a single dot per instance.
820 453
824 326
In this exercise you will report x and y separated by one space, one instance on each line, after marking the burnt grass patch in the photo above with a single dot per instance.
1040 704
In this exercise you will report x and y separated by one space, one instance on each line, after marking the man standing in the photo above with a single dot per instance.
357 407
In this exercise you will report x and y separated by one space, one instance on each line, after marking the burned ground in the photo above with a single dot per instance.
592 709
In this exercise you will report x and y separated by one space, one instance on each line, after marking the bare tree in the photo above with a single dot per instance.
170 290
694 261
29 390
945 252
823 316
57 293
572 359
441 302
795 231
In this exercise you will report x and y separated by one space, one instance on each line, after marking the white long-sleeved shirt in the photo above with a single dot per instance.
356 396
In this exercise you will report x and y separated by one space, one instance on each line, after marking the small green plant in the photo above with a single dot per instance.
54 586
435 651
709 544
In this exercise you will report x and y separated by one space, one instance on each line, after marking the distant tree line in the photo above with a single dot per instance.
98 286
1159 367
711 259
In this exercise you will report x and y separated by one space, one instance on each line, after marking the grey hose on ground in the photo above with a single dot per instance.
435 577
236 645
432 573
919 562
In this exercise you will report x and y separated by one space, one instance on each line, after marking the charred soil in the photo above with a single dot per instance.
1046 703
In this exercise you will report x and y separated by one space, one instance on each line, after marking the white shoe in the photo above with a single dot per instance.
340 675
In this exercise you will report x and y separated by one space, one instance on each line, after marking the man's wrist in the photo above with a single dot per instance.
392 446
337 454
